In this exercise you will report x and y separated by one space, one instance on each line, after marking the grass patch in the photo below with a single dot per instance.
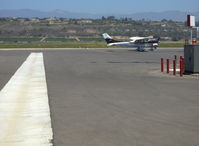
171 44
60 40
15 40
54 43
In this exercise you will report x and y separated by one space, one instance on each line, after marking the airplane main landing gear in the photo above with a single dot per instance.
140 49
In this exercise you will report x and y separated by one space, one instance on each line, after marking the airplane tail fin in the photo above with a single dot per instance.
108 39
106 36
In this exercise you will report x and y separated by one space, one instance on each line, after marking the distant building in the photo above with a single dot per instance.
84 21
34 20
51 20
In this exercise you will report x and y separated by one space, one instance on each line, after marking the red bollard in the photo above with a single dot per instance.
168 64
181 67
175 57
180 57
174 67
162 65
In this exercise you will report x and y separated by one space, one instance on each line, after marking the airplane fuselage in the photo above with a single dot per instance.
139 46
139 42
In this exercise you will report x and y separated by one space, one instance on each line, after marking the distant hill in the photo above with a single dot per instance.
27 13
169 15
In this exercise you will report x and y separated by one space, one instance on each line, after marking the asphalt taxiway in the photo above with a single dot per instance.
114 97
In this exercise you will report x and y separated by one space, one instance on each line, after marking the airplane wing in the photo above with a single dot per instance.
140 38
135 38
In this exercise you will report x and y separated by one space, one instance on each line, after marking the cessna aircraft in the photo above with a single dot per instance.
139 42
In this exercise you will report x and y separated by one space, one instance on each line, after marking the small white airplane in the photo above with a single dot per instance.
139 42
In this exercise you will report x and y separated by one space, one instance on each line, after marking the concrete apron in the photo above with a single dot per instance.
24 107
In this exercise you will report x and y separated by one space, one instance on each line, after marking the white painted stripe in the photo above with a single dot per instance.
24 109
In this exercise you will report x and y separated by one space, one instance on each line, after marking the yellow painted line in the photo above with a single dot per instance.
24 107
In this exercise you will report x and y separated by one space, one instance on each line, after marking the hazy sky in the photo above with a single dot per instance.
103 6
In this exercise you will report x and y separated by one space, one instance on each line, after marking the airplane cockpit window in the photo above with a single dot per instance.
142 41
